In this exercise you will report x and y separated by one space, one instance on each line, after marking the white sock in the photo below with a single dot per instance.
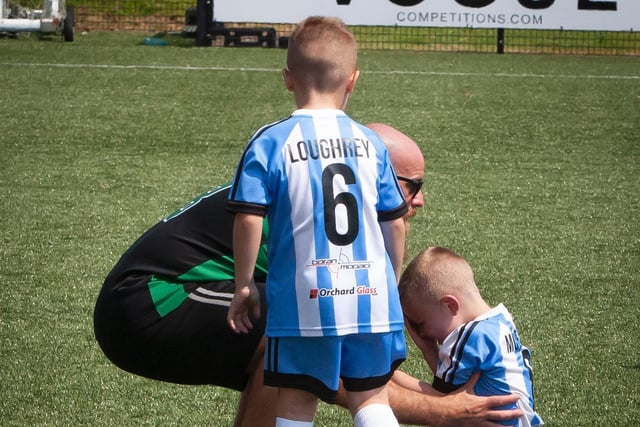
375 415
283 422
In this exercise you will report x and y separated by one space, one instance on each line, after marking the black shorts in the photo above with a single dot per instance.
191 345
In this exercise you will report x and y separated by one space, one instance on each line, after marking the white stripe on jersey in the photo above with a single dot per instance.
329 274
379 311
308 308
345 312
513 370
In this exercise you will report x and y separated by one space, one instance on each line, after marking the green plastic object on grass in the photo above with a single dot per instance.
154 41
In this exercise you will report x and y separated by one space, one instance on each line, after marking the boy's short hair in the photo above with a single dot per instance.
435 272
322 53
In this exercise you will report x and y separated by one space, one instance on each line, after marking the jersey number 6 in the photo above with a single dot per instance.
333 201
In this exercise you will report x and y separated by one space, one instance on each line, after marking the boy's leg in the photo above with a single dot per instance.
296 405
359 399
376 415
288 365
371 408
302 380
369 361
281 422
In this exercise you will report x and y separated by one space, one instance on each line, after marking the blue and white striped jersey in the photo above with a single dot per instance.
489 344
324 182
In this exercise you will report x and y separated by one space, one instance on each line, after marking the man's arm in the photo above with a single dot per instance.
247 234
461 408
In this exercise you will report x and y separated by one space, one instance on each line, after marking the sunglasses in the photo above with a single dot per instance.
414 185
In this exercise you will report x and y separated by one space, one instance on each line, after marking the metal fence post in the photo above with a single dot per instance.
500 47
204 14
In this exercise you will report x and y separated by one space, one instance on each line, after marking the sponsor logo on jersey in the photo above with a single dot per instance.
323 262
355 290
335 265
365 290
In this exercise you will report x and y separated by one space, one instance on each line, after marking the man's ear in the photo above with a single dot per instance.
288 79
352 81
452 304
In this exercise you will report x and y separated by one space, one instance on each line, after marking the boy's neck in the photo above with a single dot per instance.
469 311
476 309
317 101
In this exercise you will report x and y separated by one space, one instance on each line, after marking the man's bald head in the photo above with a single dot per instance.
408 162
406 157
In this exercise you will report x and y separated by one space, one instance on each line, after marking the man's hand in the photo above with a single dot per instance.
244 299
468 409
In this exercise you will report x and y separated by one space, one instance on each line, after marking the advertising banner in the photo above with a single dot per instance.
604 15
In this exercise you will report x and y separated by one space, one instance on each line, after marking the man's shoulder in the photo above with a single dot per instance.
212 199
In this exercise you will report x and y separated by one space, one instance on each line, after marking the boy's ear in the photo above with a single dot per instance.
288 79
352 81
452 304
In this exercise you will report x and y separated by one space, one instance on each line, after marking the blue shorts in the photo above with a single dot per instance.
316 364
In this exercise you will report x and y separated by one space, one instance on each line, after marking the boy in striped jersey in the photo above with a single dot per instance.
336 240
443 308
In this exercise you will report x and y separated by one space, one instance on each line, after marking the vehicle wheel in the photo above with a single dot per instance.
68 25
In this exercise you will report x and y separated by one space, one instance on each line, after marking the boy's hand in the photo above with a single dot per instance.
428 346
245 298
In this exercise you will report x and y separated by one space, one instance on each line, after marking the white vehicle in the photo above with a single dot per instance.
54 17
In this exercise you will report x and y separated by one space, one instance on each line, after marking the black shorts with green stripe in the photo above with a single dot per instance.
178 334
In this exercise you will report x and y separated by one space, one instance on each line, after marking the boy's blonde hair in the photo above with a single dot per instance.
436 272
322 53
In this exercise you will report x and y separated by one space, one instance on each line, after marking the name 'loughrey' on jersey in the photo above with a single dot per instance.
338 148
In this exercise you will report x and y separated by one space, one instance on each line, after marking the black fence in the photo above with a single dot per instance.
152 16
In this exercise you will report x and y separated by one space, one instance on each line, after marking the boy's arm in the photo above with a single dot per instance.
408 382
247 234
394 240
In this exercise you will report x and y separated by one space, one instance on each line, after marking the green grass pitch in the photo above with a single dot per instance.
533 174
